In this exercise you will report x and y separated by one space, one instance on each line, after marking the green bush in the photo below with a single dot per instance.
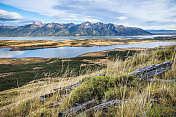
139 59
99 87
111 94
122 55
165 54
91 88
159 110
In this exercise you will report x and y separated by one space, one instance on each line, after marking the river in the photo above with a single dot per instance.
68 52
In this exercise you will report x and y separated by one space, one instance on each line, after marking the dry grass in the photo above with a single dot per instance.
13 97
35 44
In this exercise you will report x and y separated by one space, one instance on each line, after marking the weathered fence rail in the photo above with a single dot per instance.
152 70
60 91
105 105
161 80
54 105
75 110
63 90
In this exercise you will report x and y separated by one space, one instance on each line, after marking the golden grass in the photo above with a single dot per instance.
31 91
35 44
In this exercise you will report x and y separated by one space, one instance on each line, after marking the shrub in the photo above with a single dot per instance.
158 110
92 88
165 54
110 94
99 87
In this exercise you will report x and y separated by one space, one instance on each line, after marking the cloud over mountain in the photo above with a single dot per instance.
9 16
121 18
126 12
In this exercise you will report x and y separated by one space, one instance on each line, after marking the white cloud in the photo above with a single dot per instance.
8 16
77 18
164 26
43 7
46 7
121 18
136 11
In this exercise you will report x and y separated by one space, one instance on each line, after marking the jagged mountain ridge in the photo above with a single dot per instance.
70 29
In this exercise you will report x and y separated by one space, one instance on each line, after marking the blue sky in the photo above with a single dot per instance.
146 14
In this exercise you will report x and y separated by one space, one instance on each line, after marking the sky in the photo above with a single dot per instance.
146 14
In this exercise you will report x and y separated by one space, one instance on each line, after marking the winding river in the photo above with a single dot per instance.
68 52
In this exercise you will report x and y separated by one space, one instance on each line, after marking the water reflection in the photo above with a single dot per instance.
67 52
5 53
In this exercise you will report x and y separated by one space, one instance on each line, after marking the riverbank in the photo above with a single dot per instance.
39 44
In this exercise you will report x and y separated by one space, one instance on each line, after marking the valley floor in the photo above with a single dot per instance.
38 44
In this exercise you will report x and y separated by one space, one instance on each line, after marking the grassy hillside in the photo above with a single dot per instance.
115 84
18 72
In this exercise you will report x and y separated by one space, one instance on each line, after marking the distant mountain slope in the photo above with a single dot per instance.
160 32
70 29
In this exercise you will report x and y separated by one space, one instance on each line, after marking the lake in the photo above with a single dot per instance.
81 37
68 52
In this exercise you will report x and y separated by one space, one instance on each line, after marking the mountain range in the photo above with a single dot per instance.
70 29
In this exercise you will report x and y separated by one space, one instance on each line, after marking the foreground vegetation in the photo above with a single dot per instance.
114 84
